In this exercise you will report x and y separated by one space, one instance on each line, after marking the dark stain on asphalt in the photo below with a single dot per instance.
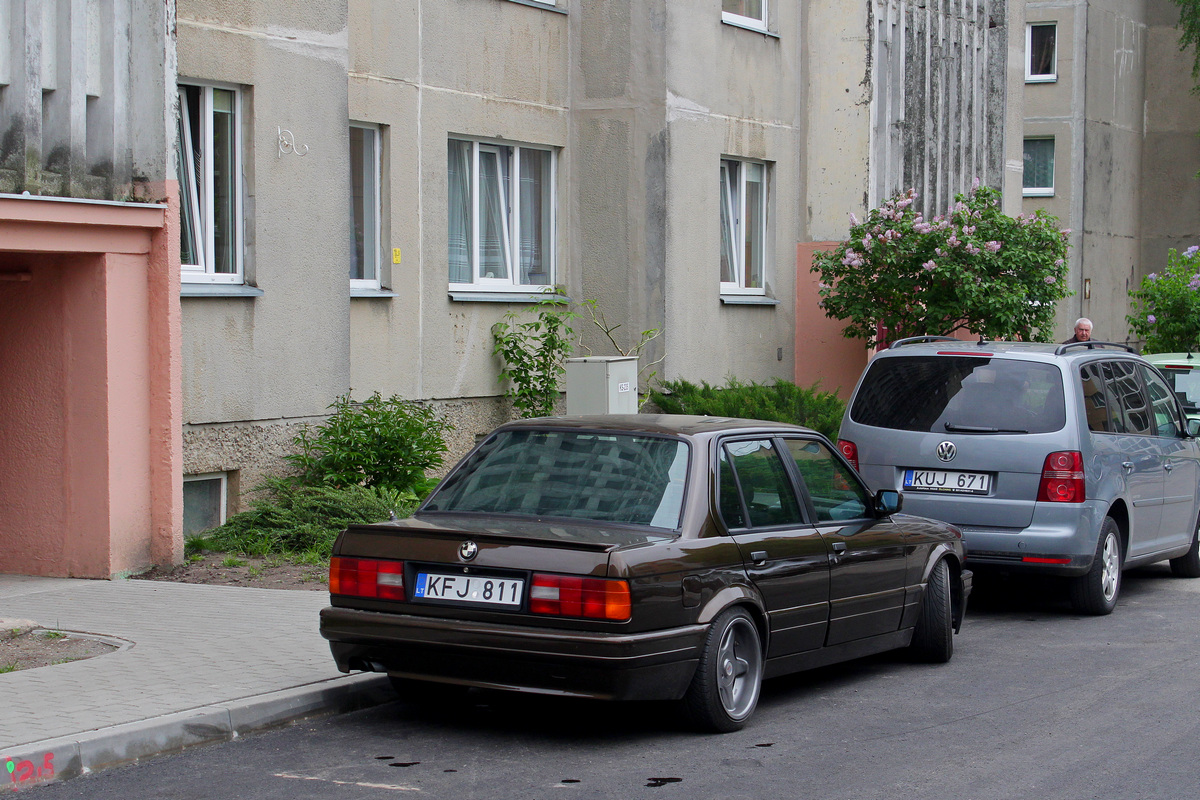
449 770
569 780
384 758
404 763
657 782
765 744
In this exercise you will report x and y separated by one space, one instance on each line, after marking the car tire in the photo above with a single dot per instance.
1096 592
725 689
1188 564
933 639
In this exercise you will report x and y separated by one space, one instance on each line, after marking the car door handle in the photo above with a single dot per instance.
1127 466
758 556
839 547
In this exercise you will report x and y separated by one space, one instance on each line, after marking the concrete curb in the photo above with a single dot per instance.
61 759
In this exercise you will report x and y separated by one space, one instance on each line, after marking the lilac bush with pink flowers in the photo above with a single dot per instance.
973 269
1166 307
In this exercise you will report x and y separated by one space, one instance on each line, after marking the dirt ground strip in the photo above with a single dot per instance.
223 569
24 646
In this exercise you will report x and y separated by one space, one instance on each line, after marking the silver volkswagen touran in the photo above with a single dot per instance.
1073 460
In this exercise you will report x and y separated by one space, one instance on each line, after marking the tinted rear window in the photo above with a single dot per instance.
961 394
609 477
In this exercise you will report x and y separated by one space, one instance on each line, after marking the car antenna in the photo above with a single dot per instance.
981 340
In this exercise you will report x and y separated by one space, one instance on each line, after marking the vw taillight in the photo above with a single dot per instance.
366 577
1062 478
571 596
849 451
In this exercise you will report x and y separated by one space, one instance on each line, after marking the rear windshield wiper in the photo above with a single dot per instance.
950 426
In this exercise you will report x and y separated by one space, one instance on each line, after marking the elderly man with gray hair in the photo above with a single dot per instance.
1083 331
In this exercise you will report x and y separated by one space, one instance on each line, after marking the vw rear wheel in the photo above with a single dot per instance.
1096 592
1188 564
724 691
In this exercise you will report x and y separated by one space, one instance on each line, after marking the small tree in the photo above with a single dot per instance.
974 269
534 353
1166 307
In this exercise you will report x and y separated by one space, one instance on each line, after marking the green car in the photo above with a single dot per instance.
1182 371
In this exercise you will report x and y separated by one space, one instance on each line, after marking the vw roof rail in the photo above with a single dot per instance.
917 339
1092 345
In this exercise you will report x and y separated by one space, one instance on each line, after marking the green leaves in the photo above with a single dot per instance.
974 269
781 401
388 444
1166 307
533 355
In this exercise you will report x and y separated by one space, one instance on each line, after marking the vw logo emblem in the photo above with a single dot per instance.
468 550
946 451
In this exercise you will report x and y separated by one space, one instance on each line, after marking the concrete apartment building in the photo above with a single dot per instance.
403 173
365 188
1110 145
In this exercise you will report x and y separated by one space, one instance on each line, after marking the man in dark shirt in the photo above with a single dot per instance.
1083 331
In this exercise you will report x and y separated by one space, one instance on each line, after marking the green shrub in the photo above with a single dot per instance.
298 520
781 401
385 443
1166 307
534 353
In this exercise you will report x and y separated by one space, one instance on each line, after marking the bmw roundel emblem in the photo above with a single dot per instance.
468 550
946 451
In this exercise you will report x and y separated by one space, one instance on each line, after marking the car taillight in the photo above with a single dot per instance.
1062 478
849 451
570 596
366 577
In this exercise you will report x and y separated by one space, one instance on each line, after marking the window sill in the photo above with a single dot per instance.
748 300
746 26
219 290
1037 193
372 293
460 296
543 6
1041 78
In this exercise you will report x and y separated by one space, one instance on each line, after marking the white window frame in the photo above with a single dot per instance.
223 502
1046 77
372 250
510 233
735 202
1040 191
747 22
201 196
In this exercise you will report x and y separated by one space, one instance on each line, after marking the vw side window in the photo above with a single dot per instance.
1162 404
835 492
1095 403
1130 414
767 492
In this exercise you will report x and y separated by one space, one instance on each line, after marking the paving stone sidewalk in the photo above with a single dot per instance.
203 663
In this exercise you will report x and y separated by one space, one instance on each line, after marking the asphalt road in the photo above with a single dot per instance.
1037 703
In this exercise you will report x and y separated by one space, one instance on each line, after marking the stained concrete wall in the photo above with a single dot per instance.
285 354
1126 153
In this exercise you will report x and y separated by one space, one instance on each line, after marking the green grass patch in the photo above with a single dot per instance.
300 522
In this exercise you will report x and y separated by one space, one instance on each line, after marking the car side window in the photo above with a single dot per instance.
1095 403
1162 403
835 492
766 491
1130 413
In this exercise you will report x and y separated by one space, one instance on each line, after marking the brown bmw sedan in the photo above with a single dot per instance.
644 557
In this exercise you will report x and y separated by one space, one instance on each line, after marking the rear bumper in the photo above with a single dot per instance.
1060 540
640 666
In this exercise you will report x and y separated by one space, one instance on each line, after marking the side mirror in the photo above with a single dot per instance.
1193 427
887 502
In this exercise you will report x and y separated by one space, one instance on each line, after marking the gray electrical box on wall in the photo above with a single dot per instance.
602 385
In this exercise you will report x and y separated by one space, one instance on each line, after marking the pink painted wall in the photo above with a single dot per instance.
90 480
822 353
